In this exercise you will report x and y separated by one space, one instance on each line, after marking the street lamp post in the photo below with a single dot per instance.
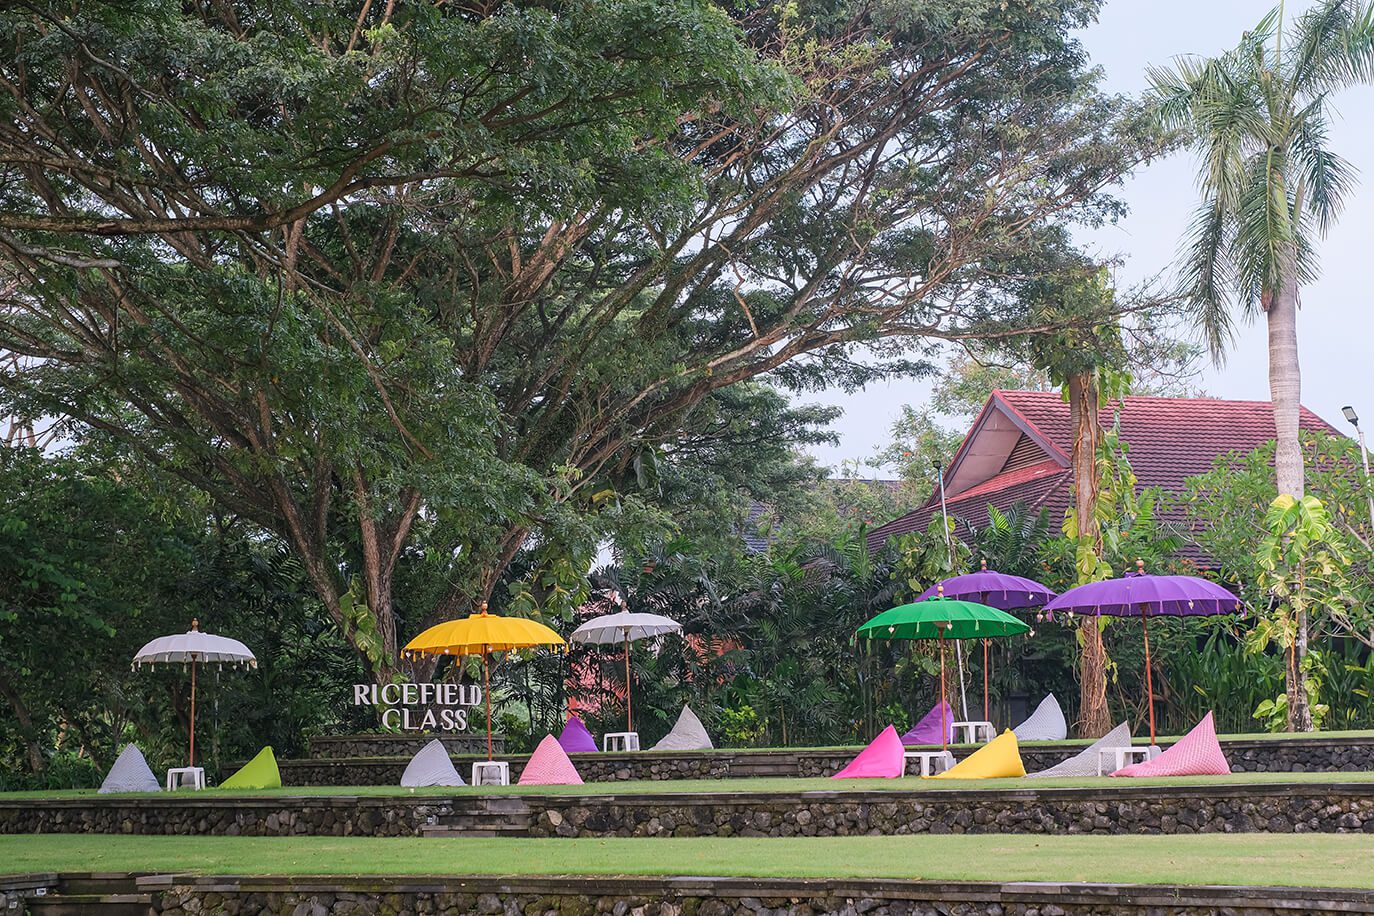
1354 421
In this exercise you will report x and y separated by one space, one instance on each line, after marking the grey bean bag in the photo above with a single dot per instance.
130 773
688 734
1045 724
431 766
1084 763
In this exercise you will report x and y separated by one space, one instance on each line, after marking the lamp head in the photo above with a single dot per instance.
1350 416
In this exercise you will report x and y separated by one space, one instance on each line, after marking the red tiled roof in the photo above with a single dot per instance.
1169 440
1035 486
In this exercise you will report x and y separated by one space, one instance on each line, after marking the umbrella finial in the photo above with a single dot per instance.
984 564
1140 566
482 609
195 625
940 590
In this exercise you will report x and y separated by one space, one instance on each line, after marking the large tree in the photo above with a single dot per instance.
431 282
1271 188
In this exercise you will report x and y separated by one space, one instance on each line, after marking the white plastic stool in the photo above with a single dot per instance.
931 761
971 730
1121 754
481 768
620 741
177 778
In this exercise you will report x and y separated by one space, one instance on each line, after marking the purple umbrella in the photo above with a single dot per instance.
1139 595
1000 590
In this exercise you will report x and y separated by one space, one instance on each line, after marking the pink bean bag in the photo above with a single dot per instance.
575 738
927 731
880 760
1197 753
549 766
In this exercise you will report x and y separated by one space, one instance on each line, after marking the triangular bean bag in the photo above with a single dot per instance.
575 739
1084 763
1045 724
883 759
927 731
1197 753
999 758
130 773
549 766
259 773
431 767
688 734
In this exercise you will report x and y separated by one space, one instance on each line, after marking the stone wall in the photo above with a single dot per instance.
722 897
1126 809
341 761
1294 808
372 771
219 816
384 745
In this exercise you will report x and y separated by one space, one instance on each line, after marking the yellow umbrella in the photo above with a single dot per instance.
482 634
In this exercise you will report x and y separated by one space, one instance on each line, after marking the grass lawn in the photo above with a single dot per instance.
736 786
1339 860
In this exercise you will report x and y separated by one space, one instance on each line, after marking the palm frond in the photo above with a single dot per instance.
1209 275
1333 47
1326 177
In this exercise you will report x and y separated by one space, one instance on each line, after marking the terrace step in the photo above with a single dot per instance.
456 831
494 817
90 905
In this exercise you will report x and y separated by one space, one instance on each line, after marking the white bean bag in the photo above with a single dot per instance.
688 734
431 766
1045 724
130 773
1084 763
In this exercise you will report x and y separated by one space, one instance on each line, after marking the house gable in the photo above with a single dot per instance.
1000 440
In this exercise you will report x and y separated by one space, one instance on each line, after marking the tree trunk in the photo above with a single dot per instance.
29 734
1285 390
1093 718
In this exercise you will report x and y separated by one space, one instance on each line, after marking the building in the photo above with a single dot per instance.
1017 451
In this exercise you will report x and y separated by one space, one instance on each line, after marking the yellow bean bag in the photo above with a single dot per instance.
259 773
1000 757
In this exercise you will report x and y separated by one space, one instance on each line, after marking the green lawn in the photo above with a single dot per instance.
1339 860
736 786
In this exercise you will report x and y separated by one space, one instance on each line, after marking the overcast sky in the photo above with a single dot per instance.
1333 328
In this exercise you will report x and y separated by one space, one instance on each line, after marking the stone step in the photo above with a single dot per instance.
99 883
90 905
458 831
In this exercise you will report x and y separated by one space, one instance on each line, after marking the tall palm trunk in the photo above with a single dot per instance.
1285 390
1093 719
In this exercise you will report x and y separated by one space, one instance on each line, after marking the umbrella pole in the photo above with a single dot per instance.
944 729
193 711
986 718
486 695
629 717
963 690
1149 677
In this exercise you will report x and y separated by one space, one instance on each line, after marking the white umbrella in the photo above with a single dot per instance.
194 647
625 627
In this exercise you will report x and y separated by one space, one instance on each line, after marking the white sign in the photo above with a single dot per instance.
442 707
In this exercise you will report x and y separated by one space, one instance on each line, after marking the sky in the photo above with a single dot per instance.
1335 323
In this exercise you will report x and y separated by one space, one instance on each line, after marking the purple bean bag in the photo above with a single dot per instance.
927 731
575 737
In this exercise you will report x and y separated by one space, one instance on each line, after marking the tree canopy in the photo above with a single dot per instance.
423 288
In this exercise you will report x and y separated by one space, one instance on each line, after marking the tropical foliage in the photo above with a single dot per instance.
1271 188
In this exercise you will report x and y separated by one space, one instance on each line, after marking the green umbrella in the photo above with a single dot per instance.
942 618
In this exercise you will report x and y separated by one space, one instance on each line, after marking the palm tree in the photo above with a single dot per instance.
1271 188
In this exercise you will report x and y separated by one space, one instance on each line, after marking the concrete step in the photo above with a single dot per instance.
90 905
458 831
99 883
